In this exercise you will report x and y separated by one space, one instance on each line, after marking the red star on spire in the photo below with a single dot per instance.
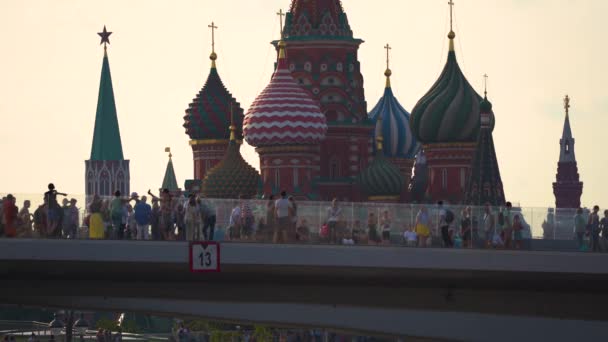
105 36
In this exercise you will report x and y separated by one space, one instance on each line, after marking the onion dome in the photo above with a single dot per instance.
232 176
284 113
398 140
381 180
449 112
209 113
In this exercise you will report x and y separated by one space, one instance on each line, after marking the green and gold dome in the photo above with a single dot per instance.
381 180
232 176
449 112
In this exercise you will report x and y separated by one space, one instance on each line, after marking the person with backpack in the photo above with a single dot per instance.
580 227
594 227
507 225
488 225
446 217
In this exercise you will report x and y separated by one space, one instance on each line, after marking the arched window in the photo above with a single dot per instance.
277 179
463 177
104 184
444 179
334 168
90 184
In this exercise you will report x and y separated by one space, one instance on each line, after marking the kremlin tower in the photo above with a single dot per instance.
286 126
208 116
446 122
568 188
398 142
232 176
485 185
169 180
106 171
322 57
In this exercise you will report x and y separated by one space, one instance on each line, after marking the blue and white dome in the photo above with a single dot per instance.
399 142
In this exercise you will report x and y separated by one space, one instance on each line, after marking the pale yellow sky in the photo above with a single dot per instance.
535 51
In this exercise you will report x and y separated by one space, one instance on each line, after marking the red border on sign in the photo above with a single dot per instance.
219 265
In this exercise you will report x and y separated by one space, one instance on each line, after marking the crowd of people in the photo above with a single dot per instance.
49 220
172 216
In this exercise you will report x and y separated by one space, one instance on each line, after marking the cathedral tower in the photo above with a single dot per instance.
398 142
208 116
484 184
286 126
106 171
568 188
323 58
446 122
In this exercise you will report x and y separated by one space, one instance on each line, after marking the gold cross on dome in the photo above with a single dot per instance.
213 28
485 84
388 48
281 15
451 3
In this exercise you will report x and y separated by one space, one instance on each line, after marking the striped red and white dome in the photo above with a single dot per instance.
284 114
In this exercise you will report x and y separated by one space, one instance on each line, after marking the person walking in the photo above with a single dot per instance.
10 212
247 219
604 227
192 218
372 229
333 216
489 225
466 226
506 219
70 219
385 224
25 220
293 213
580 226
53 211
282 209
209 217
446 217
234 225
270 217
166 211
594 227
155 219
96 224
422 226
143 216
518 228
117 208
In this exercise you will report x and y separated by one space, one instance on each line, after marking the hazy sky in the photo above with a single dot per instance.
535 51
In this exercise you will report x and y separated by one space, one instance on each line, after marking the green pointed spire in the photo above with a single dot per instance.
170 181
106 137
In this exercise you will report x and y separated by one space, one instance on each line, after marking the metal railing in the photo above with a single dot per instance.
365 223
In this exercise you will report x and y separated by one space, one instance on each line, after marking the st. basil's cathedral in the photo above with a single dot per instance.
315 137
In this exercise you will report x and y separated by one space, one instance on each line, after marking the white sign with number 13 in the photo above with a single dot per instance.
204 257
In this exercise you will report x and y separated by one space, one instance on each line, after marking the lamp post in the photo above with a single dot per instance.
56 326
80 326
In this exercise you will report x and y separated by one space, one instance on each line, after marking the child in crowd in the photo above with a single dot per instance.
410 237
357 232
386 228
372 230
302 231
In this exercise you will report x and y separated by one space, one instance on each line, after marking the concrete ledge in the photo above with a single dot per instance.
352 257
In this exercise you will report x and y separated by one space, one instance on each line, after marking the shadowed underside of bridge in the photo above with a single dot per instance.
308 285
